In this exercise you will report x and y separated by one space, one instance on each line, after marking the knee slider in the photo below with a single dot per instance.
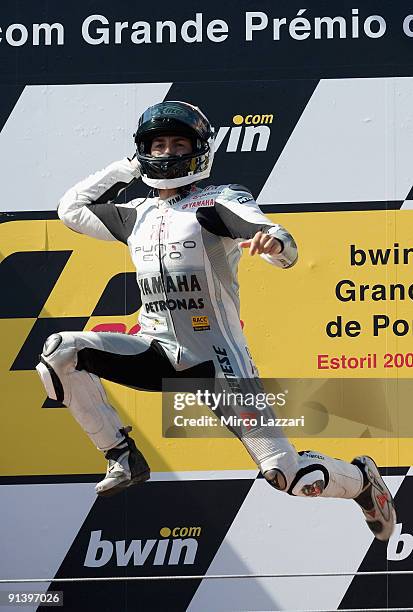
50 380
51 344
310 484
60 352
52 359
312 477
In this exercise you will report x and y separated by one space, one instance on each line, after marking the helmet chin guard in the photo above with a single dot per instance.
170 171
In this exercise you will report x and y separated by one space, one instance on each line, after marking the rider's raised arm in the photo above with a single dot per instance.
236 215
87 207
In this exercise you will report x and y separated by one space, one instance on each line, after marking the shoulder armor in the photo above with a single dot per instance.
237 193
236 187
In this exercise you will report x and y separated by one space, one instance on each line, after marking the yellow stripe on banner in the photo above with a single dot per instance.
90 267
285 314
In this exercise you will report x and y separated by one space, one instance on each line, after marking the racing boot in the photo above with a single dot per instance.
126 467
375 500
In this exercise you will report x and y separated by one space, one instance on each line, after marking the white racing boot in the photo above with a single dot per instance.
375 500
126 467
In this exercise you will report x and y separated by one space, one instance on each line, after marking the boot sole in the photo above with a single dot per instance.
140 479
391 503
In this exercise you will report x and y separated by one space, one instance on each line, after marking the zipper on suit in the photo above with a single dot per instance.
178 354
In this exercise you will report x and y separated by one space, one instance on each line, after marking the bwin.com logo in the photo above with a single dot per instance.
177 546
248 133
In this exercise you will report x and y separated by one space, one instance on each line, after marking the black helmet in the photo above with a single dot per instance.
176 118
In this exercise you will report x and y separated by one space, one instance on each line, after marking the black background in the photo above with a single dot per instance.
79 62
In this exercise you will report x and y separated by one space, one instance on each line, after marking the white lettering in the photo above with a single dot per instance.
96 545
300 24
222 132
381 29
329 23
47 29
160 25
99 551
17 27
407 25
277 23
191 546
217 30
119 26
142 33
264 134
103 32
197 25
355 23
234 137
250 26
140 553
161 550
406 541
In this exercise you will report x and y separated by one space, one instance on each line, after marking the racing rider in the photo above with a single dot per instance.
185 242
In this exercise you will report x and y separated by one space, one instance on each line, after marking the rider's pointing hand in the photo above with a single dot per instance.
262 243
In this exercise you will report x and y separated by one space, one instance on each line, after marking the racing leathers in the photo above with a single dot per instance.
186 251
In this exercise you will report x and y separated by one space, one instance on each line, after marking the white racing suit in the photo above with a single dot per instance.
186 252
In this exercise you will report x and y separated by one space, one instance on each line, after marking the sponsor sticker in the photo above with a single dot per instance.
245 199
200 323
198 203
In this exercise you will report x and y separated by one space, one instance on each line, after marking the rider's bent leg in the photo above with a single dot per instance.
79 390
312 474
307 473
301 474
69 368
72 364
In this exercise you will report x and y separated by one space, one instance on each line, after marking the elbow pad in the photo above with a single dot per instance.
289 254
